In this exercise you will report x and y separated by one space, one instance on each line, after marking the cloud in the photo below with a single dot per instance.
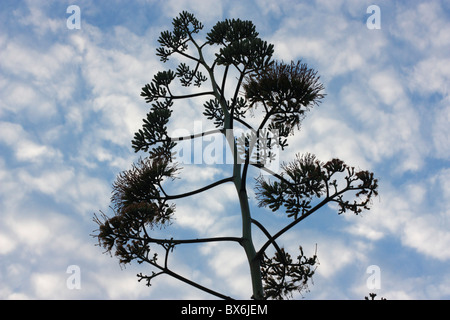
430 78
25 149
431 75
50 182
425 233
231 272
313 37
212 213
23 100
7 244
70 104
415 213
33 15
383 122
39 85
206 12
416 22
47 285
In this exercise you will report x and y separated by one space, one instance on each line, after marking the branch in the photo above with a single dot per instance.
190 137
266 117
150 96
197 135
244 123
276 175
225 73
292 224
166 270
244 171
187 194
250 148
310 212
187 55
236 92
188 96
197 285
188 241
267 234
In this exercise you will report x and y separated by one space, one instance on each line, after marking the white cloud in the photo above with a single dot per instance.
15 136
47 285
121 286
33 233
432 75
207 12
51 182
335 255
36 18
232 274
387 87
27 101
81 93
20 60
193 217
328 39
424 25
388 122
329 138
195 174
7 244
425 233
406 214
385 122
271 7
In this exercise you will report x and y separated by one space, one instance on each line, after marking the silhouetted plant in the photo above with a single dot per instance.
372 297
284 92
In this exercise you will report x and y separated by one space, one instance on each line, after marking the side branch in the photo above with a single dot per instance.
292 224
188 96
276 175
267 234
174 242
171 273
167 139
244 123
187 194
197 135
197 285
305 215
187 55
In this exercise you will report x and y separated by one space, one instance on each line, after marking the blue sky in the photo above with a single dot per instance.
70 104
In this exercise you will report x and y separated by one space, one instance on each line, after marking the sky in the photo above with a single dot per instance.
70 104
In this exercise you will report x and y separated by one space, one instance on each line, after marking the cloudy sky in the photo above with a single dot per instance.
70 104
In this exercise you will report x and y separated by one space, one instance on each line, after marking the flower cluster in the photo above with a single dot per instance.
286 91
306 179
138 204
282 275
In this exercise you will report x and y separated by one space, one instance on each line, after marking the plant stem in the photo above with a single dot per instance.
247 241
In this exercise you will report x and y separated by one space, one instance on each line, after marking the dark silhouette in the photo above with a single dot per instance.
372 297
282 93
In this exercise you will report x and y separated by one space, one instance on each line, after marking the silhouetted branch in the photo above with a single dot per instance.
191 193
268 235
166 270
